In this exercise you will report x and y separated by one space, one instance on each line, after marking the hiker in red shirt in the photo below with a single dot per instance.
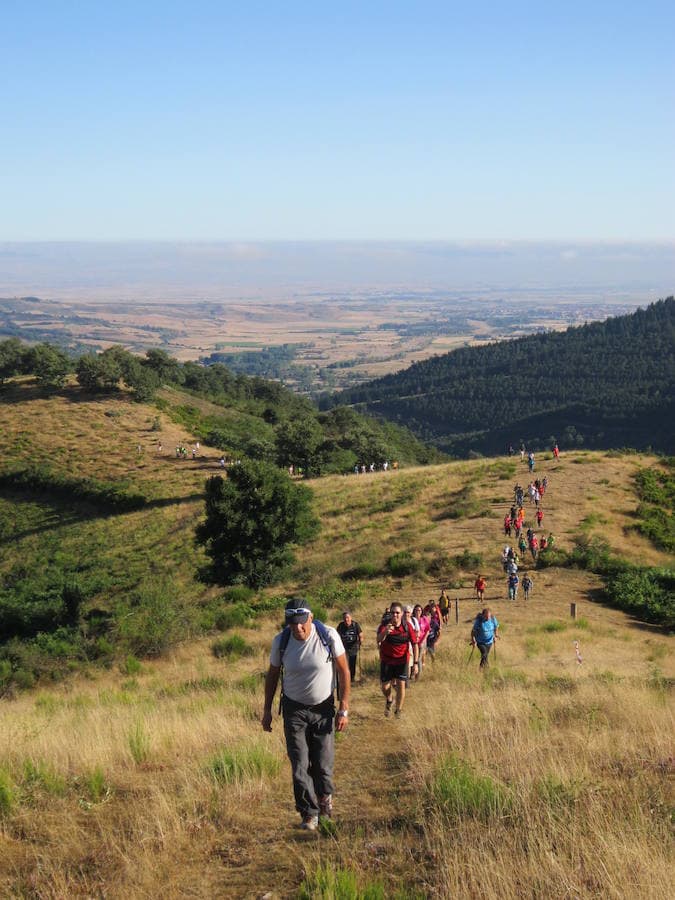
540 516
507 525
394 639
480 585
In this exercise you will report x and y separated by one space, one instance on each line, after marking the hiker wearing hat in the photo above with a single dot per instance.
309 654
350 633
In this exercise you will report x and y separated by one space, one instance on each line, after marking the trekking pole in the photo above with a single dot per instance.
473 647
495 643
360 670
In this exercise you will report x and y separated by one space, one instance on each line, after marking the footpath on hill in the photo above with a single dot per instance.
377 811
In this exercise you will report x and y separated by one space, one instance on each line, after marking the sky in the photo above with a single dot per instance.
351 121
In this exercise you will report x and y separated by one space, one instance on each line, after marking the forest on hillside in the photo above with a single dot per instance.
260 419
603 385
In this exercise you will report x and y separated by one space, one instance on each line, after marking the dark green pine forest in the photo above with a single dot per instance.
604 385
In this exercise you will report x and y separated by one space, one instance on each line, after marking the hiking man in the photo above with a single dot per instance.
556 450
528 583
444 606
513 586
480 584
350 634
394 641
310 654
484 634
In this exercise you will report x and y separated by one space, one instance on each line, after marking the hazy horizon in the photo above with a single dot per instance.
271 270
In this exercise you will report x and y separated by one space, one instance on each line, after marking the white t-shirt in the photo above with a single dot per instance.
308 673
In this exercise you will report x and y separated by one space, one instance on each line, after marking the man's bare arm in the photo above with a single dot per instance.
271 682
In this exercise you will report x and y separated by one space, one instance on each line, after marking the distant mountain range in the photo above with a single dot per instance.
604 385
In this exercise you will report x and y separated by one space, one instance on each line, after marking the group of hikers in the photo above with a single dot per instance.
307 659
374 467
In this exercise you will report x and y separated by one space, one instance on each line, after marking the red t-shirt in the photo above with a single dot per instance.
395 647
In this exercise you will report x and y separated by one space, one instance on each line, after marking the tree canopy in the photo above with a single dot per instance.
252 518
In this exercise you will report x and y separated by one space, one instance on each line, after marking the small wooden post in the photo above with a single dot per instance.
456 611
573 610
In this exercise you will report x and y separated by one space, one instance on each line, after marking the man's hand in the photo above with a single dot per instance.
266 720
341 720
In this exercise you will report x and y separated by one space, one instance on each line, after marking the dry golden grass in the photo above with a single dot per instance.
107 782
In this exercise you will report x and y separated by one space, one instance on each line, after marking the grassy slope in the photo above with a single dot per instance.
107 778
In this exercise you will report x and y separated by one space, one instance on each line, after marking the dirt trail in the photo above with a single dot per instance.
264 853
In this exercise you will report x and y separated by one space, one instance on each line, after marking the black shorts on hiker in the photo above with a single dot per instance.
392 672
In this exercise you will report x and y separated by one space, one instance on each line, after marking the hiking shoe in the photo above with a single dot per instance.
397 713
326 806
387 707
310 823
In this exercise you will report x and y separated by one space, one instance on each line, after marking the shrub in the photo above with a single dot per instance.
139 744
238 615
647 593
553 626
151 621
469 560
231 647
403 563
131 666
441 567
234 766
363 571
41 776
459 793
7 794
96 785
330 883
337 593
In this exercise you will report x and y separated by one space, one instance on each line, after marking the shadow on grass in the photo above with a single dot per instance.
62 514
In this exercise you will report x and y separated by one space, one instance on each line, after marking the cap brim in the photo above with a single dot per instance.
298 619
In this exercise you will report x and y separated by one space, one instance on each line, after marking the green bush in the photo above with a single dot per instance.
403 563
231 647
139 744
646 593
234 766
327 882
469 560
336 594
459 793
7 794
239 615
152 619
96 785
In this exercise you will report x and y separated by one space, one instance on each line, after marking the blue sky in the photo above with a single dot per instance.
354 121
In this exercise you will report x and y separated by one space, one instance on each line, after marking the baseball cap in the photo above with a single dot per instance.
296 611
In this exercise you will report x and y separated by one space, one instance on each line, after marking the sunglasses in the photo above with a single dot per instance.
300 611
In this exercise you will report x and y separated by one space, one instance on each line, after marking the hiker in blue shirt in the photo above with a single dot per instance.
484 634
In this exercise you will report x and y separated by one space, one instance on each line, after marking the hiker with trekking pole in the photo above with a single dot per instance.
484 634
305 657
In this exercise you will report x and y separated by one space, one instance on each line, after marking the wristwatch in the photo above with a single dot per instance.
343 713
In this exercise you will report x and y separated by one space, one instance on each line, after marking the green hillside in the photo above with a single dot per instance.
138 766
607 384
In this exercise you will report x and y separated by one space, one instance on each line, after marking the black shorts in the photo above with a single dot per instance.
393 671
